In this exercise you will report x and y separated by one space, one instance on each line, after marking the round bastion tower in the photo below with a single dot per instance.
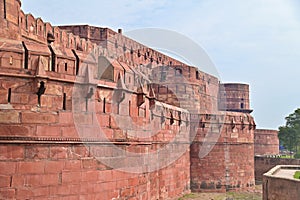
235 97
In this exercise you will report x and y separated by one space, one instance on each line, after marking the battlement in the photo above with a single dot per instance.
121 47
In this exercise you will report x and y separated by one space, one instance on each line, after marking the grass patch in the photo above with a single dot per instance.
287 156
191 196
220 196
297 175
244 196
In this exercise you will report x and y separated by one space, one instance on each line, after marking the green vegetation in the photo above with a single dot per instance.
297 155
243 196
297 175
289 135
188 196
287 156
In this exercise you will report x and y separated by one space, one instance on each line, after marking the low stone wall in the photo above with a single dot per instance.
279 183
263 164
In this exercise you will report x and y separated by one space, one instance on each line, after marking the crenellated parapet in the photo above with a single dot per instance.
121 47
231 127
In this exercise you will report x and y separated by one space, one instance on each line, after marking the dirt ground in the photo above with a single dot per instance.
255 195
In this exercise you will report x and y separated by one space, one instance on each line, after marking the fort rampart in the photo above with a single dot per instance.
86 112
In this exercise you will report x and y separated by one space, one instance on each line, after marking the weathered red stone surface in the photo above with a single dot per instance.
266 142
141 101
66 171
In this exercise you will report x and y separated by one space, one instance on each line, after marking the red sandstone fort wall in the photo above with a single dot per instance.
67 171
57 149
47 134
266 142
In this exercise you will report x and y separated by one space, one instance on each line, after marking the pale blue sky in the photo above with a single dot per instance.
255 42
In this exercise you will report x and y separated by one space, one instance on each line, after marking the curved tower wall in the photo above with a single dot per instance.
222 155
235 97
266 142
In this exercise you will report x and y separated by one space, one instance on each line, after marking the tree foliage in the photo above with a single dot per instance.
289 135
